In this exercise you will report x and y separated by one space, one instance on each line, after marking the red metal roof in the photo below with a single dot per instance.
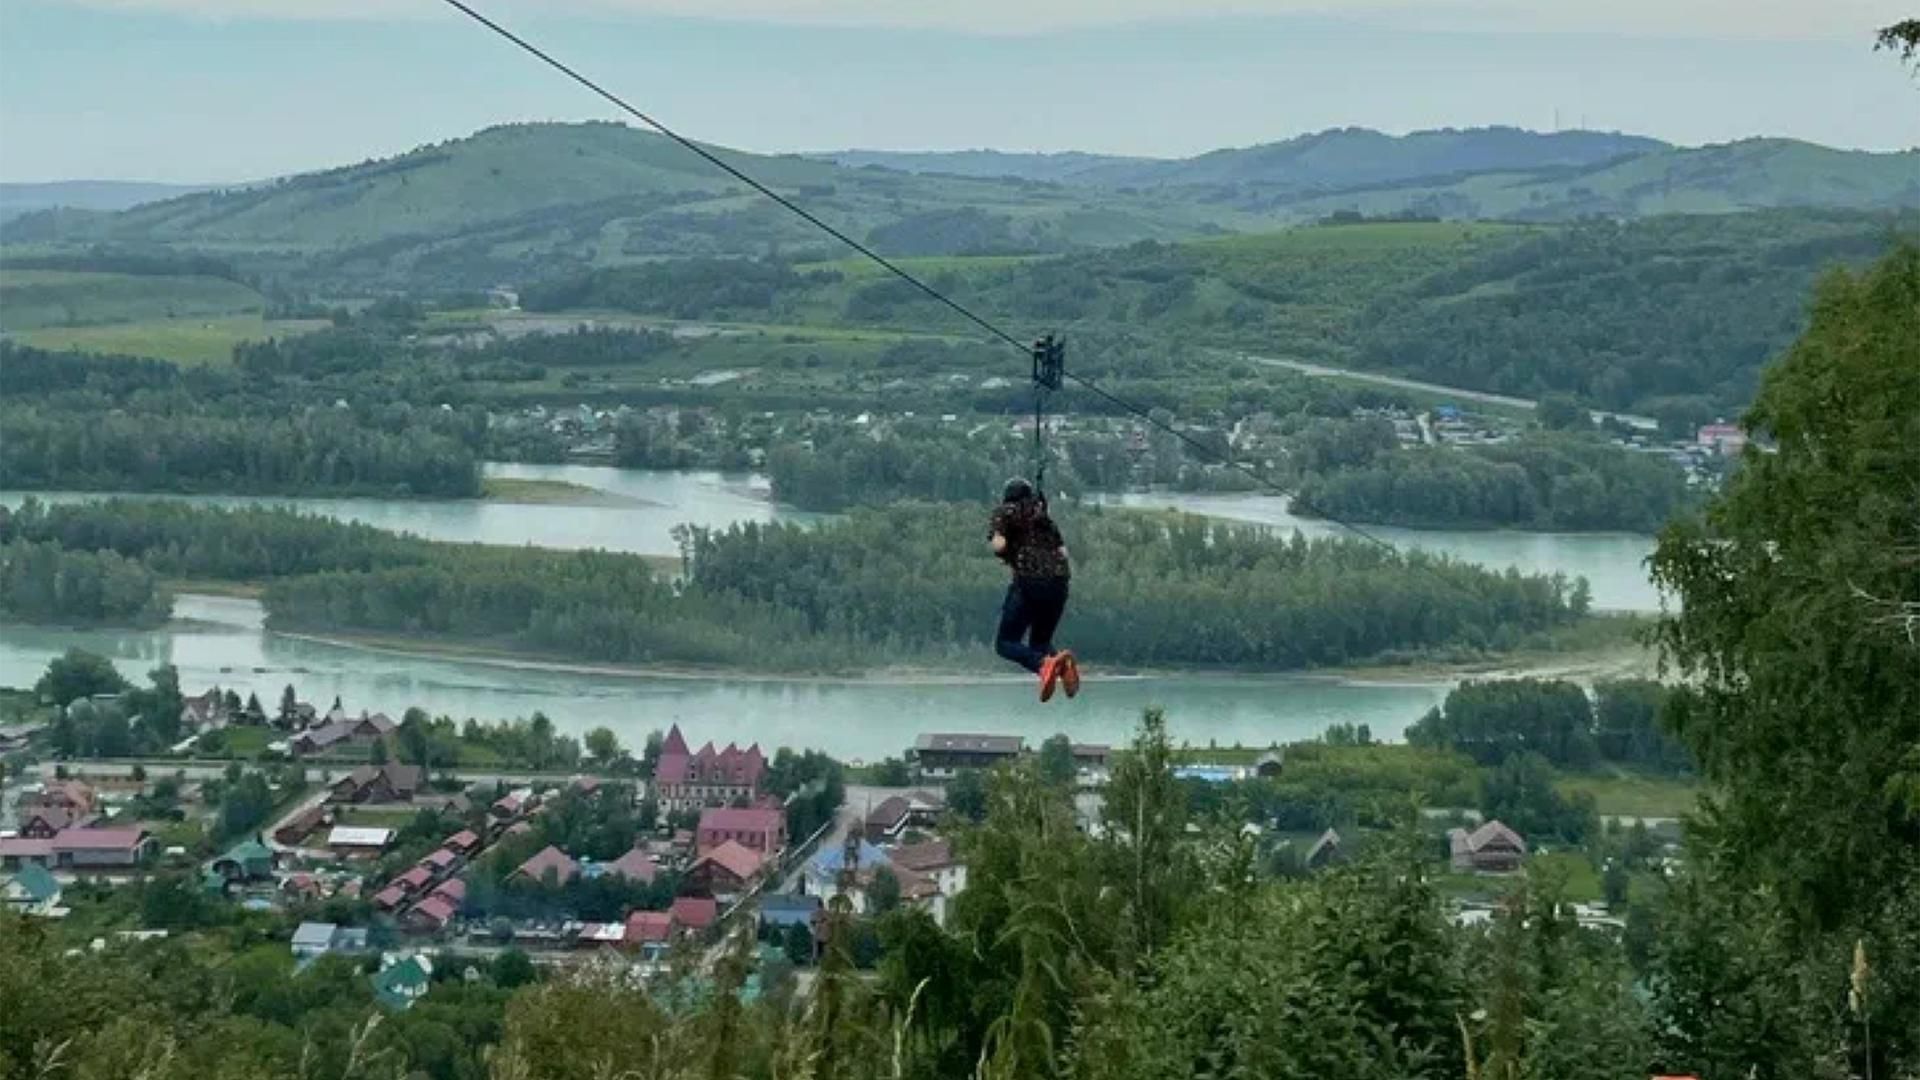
635 865
741 819
694 912
436 908
649 926
98 839
735 858
550 858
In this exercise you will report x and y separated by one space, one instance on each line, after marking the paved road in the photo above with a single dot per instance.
860 801
1643 423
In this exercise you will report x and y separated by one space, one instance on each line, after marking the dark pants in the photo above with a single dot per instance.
1028 619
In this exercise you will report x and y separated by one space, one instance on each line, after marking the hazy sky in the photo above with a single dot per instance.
204 90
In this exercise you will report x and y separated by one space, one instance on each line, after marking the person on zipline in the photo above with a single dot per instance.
1026 539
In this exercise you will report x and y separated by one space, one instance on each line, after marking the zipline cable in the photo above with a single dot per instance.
956 306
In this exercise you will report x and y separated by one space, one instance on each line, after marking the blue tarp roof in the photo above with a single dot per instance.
833 859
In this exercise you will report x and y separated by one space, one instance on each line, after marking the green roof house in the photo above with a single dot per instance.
248 860
31 891
402 981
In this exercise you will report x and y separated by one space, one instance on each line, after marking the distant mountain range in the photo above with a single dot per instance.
528 201
1330 160
17 199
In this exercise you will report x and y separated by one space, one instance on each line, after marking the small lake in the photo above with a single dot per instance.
220 641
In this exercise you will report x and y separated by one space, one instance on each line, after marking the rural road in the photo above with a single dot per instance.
1643 423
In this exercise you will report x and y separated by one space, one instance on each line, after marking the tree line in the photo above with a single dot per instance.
1154 589
113 423
1539 481
47 583
1492 720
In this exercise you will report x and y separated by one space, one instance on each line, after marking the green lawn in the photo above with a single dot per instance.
1631 795
182 340
245 742
1581 879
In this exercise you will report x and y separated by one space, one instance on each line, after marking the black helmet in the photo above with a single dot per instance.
1017 490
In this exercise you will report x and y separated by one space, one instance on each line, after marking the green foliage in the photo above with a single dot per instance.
47 583
1243 596
1628 727
1327 786
967 796
1351 974
245 807
1493 720
321 453
1055 760
78 674
1804 696
1613 304
813 784
1537 482
1520 792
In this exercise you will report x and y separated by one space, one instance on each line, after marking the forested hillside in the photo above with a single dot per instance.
1672 316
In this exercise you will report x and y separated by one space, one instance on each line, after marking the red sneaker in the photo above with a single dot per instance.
1070 673
1049 677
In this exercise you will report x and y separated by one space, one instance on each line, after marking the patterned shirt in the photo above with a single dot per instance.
1033 541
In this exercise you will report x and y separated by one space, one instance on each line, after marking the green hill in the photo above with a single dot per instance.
528 201
1670 316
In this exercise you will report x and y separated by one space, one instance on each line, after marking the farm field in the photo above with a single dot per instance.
181 340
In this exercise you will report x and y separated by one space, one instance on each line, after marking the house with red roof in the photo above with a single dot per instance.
512 805
550 860
463 843
694 913
431 915
45 822
415 879
759 829
19 851
649 932
440 860
452 890
101 849
1491 848
70 795
636 865
727 870
391 897
709 777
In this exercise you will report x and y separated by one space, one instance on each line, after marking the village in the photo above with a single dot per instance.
629 863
